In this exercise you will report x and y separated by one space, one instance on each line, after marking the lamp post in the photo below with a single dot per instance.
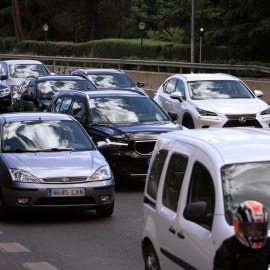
45 29
142 26
192 32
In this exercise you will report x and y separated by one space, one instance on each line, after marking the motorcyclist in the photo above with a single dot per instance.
249 248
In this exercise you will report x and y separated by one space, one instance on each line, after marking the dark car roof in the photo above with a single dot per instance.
104 93
61 78
99 71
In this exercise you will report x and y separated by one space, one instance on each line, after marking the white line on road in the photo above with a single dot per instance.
13 247
39 266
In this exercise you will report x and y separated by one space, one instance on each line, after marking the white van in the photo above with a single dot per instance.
195 181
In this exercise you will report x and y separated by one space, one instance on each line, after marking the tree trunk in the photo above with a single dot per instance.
17 21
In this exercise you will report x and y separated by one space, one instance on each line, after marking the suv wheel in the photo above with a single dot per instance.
151 259
188 122
106 212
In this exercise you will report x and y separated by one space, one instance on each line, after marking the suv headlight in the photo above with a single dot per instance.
23 176
102 173
205 113
267 111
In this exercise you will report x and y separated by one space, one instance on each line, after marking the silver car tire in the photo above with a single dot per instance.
151 259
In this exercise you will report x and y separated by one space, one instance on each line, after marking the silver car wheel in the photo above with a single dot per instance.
151 262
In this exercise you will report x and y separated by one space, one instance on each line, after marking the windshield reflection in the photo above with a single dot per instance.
125 109
44 135
248 181
110 80
24 70
47 89
218 89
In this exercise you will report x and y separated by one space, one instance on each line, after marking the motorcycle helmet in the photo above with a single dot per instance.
250 222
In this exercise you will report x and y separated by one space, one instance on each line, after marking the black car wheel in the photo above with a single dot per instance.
151 259
107 212
188 123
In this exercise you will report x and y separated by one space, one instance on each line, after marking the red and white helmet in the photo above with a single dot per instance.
250 222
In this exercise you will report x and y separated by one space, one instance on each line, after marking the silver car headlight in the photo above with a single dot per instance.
102 173
267 111
205 113
23 176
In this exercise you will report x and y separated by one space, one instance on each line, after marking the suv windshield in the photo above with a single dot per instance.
110 80
47 89
44 136
24 70
125 109
247 181
218 89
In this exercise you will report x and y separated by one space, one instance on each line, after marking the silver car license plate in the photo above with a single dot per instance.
66 192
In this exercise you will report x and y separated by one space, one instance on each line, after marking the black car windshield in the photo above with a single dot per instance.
125 109
218 89
47 89
246 181
24 70
112 80
32 136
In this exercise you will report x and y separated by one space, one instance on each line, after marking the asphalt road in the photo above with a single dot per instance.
77 240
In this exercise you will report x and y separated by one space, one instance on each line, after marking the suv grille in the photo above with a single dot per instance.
144 147
242 120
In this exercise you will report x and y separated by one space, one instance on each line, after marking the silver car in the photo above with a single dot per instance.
47 160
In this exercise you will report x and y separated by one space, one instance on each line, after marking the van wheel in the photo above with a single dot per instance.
151 259
107 212
188 123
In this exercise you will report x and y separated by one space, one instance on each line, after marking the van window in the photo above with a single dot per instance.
202 188
173 181
155 172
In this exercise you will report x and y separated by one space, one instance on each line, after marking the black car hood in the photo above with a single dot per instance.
137 131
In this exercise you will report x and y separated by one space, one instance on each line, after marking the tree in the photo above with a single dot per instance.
17 21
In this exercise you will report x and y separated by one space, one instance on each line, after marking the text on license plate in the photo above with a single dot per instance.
60 192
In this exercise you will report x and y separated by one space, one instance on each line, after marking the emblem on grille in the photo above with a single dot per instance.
65 180
242 120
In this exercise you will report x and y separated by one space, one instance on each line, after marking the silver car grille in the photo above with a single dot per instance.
242 120
64 180
144 147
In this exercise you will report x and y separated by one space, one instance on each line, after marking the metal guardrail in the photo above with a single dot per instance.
138 63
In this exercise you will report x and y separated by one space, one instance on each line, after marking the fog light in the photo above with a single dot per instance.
105 198
23 200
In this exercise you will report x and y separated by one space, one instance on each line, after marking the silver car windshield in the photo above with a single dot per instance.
24 70
247 181
47 89
125 109
218 89
41 136
110 80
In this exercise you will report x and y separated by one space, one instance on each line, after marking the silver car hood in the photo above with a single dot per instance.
56 164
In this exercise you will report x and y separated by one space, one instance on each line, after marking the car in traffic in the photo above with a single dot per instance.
5 98
110 78
35 93
12 72
128 121
48 161
213 100
195 182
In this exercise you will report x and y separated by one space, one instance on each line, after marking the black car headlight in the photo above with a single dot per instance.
205 113
4 91
115 142
267 111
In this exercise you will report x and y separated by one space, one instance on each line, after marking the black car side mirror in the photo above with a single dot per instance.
3 77
173 115
140 84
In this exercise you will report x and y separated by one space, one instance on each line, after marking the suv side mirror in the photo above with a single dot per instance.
177 95
173 115
140 84
3 77
258 93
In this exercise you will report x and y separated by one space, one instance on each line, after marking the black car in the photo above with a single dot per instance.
5 98
110 78
129 122
35 93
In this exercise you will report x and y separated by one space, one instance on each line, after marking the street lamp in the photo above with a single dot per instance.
142 26
45 29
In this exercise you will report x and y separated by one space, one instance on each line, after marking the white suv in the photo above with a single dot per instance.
195 181
213 100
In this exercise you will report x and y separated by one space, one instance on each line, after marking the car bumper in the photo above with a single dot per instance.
40 197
